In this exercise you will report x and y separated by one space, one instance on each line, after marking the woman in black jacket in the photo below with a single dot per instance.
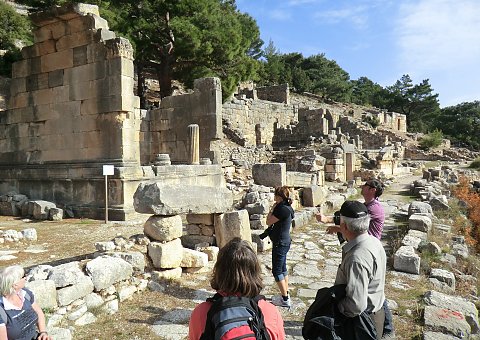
280 220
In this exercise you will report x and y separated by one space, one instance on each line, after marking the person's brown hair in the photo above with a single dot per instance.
237 270
284 193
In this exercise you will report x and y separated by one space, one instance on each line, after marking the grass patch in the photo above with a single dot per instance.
475 164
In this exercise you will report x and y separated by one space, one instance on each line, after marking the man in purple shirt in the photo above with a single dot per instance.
371 190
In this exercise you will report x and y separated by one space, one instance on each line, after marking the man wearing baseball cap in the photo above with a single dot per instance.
363 266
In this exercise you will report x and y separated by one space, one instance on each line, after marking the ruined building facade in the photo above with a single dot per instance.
71 108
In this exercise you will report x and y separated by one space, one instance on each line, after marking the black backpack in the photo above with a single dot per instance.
229 312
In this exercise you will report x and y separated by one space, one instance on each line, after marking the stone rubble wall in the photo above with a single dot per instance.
278 93
4 92
254 120
167 131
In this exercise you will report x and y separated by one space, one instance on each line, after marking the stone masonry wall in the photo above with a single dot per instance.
254 120
169 123
4 90
71 109
72 95
277 93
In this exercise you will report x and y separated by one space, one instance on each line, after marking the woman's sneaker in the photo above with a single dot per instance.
278 300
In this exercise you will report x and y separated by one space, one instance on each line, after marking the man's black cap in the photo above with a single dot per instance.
353 209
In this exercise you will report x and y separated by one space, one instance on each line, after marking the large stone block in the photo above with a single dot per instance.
271 175
232 224
82 288
299 179
193 258
107 270
166 255
45 292
420 222
406 260
155 198
314 195
420 208
163 228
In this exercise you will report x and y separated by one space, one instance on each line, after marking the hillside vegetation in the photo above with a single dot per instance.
185 40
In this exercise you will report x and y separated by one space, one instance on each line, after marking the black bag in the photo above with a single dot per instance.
230 312
323 320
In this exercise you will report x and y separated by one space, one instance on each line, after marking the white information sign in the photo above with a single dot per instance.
108 170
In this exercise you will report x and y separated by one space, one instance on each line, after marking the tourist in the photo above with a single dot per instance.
237 272
362 268
280 220
24 317
371 191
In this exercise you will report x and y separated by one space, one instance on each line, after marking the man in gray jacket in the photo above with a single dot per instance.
363 266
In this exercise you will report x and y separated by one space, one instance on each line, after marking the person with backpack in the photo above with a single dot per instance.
236 310
21 318
280 220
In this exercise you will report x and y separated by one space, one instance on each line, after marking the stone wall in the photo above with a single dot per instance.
311 123
277 93
168 128
72 109
253 121
4 90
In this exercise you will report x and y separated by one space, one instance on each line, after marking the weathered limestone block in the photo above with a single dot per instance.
93 300
193 258
314 195
271 175
166 255
135 258
259 208
55 214
155 198
230 225
410 240
446 321
45 292
439 203
406 260
41 208
66 274
211 251
206 219
191 241
107 270
420 208
163 228
443 276
167 274
67 295
455 303
299 179
30 234
419 222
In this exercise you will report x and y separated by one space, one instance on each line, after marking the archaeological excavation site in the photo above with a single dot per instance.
196 171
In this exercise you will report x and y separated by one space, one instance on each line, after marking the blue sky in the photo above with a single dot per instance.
437 40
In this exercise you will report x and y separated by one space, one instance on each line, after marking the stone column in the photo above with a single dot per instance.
194 144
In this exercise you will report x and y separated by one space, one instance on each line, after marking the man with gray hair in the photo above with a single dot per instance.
363 266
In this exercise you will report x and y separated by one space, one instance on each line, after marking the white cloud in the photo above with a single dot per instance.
440 39
280 14
301 2
356 15
439 34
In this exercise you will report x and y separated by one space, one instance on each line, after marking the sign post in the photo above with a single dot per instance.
108 170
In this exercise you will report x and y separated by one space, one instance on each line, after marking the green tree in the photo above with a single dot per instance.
14 31
461 123
366 92
417 102
185 39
